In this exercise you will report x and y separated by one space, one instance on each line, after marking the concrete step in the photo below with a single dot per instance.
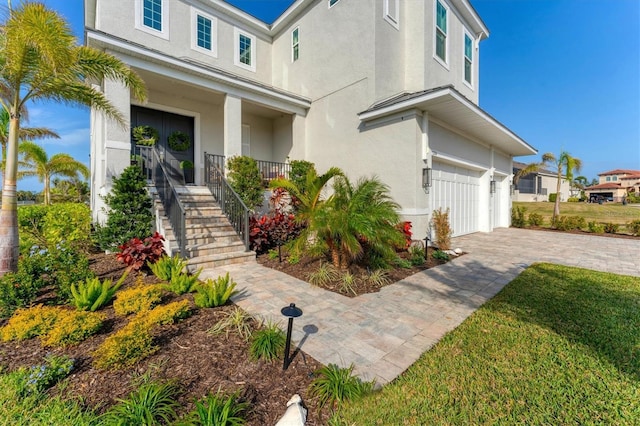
216 260
206 220
199 250
213 228
212 237
207 209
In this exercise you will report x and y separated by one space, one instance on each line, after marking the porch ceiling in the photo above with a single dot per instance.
157 83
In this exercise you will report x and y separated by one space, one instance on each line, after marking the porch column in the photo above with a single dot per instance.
111 145
232 126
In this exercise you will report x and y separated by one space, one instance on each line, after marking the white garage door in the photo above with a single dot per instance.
458 189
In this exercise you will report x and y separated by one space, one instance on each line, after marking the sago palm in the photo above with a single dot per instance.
358 215
40 60
36 162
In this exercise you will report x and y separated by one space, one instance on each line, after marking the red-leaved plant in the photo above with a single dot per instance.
405 228
272 230
135 253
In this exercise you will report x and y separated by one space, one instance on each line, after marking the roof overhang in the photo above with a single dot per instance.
450 107
470 15
141 57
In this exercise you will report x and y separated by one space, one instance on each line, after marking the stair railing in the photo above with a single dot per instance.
231 204
173 207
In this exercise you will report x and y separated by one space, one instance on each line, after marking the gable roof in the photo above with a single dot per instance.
448 105
607 185
620 172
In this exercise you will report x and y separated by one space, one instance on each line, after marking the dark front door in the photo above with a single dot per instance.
166 123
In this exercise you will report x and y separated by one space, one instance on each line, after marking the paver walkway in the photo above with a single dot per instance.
383 333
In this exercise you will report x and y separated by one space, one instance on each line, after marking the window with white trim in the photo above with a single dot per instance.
204 32
468 58
152 17
441 31
332 2
245 50
392 12
295 44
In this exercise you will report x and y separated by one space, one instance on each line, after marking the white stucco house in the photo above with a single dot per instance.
538 185
384 87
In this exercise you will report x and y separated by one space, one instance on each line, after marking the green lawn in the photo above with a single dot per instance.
607 212
558 345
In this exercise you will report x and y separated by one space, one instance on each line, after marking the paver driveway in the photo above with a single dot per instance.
383 333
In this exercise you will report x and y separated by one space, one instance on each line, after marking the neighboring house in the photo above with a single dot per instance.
384 87
614 185
538 185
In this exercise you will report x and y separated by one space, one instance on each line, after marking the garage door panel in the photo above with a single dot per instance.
457 189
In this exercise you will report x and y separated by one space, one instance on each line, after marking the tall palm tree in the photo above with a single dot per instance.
565 164
36 162
40 60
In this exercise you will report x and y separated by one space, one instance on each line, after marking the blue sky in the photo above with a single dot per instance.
562 74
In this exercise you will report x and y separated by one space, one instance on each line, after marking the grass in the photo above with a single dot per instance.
607 212
558 345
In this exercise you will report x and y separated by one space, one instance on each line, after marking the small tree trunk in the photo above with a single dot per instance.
9 214
556 207
47 190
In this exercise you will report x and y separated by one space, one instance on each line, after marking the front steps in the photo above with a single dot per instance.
211 240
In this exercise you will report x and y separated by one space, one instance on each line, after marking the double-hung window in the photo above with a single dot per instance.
441 31
204 32
245 50
152 17
295 44
468 58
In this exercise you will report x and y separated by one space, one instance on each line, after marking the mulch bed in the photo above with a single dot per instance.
580 232
199 362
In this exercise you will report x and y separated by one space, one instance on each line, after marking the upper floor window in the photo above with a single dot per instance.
151 17
615 178
468 58
392 12
332 2
245 50
441 31
204 32
295 44
608 178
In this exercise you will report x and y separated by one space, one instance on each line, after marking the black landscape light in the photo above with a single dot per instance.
426 244
290 312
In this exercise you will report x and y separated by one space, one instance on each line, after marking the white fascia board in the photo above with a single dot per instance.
288 15
470 14
155 58
401 106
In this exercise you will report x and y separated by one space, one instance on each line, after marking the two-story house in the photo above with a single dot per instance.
537 186
614 185
384 87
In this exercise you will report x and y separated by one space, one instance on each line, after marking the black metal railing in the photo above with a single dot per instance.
173 208
142 156
230 202
272 169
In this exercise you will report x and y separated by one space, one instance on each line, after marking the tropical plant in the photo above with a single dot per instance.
237 320
212 293
440 255
129 213
357 218
536 219
92 294
218 410
347 283
334 385
267 343
416 255
183 283
324 275
136 253
166 267
298 172
151 404
36 162
145 135
72 190
440 221
40 60
245 179
380 277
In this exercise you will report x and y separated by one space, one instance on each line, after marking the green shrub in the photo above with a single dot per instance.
536 219
402 263
183 283
380 277
573 200
416 255
28 323
218 410
166 267
440 221
334 385
129 210
237 320
165 314
212 293
324 275
17 290
552 197
68 224
42 377
518 217
298 173
139 298
67 266
92 294
611 228
440 255
595 227
125 347
152 404
569 223
245 179
267 343
634 227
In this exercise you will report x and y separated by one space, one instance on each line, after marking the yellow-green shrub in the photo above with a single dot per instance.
166 314
126 347
137 299
56 326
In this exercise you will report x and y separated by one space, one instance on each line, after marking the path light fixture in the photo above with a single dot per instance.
426 245
290 312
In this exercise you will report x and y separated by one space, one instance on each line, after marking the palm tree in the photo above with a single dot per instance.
565 164
73 190
39 60
36 162
358 216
